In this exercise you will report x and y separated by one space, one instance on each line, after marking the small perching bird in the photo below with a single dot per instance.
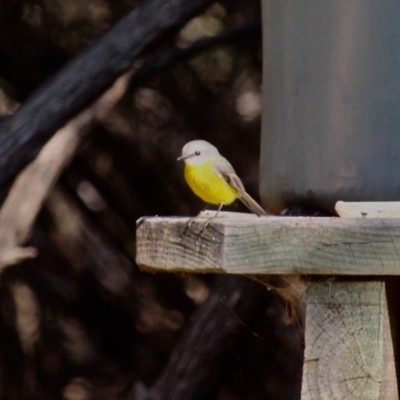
212 177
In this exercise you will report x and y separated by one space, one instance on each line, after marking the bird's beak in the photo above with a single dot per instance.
181 158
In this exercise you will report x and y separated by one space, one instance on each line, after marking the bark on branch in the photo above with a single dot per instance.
85 78
30 189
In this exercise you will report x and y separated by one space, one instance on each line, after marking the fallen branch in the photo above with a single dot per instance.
34 183
85 78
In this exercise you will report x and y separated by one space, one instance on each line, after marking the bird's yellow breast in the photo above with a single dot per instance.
206 184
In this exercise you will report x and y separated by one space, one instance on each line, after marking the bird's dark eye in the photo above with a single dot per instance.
197 153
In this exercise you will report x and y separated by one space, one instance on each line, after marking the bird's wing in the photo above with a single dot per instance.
224 170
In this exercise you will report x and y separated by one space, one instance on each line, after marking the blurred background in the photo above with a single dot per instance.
81 321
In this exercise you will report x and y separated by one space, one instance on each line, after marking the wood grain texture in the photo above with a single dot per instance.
375 209
348 352
271 245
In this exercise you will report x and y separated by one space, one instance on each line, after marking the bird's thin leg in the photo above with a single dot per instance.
219 209
208 222
192 219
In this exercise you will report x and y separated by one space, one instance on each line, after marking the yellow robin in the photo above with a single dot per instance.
212 177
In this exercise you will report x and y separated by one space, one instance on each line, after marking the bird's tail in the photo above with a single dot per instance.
252 205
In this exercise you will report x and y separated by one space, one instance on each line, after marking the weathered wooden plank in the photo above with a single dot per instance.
375 209
271 245
348 346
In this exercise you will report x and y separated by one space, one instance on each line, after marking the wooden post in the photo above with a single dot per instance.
348 345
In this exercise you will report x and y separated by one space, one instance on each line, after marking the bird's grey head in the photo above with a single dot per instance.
198 152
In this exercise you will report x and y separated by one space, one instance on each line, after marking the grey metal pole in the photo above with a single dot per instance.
331 102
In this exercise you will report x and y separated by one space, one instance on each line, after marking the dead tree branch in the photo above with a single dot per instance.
85 78
32 186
